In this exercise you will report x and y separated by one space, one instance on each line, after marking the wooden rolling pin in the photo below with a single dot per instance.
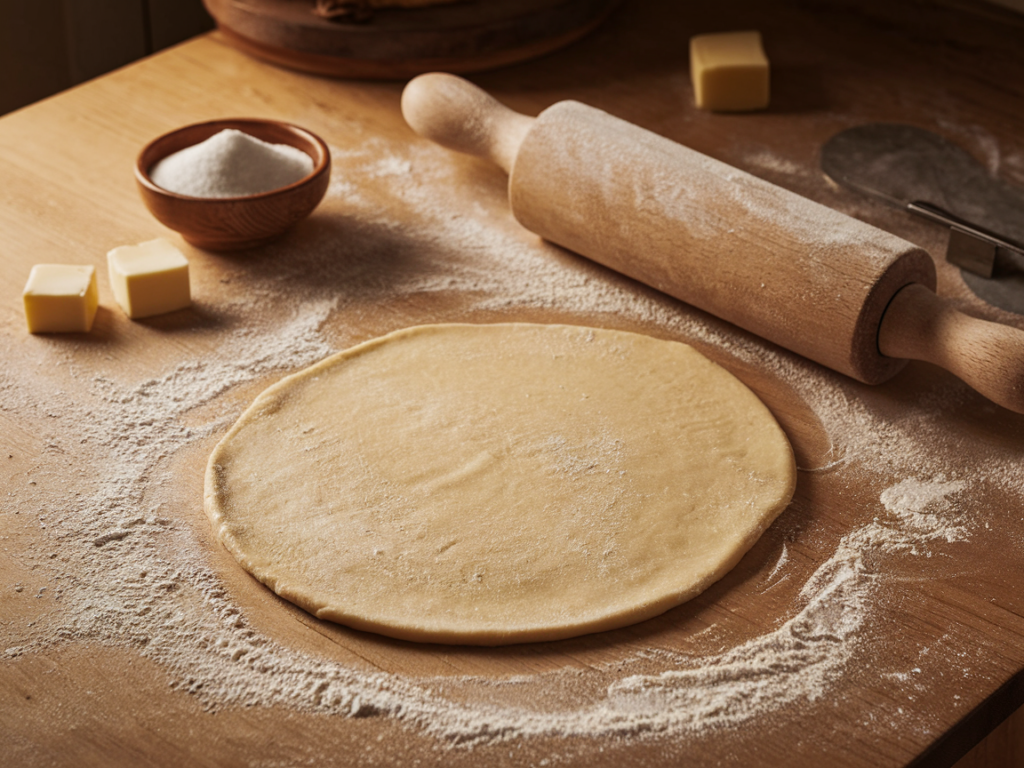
813 280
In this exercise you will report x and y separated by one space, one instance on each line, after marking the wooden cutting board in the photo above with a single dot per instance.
877 623
465 36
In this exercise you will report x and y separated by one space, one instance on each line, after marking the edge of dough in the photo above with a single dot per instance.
414 631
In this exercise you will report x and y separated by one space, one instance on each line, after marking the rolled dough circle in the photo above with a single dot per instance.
495 484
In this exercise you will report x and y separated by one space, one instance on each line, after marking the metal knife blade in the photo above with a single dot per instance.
925 174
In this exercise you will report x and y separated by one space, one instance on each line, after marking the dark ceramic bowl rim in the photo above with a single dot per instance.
320 164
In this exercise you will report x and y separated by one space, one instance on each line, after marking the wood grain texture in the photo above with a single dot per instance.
939 658
1003 748
729 244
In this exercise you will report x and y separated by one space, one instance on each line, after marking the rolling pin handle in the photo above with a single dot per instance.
988 356
458 115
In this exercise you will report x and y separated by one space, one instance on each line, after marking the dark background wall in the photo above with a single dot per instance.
49 45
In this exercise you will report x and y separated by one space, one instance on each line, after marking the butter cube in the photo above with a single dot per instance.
729 71
60 298
149 279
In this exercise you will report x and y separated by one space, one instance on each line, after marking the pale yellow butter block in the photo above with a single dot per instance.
729 71
60 298
149 279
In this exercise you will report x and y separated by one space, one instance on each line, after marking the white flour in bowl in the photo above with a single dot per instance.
231 163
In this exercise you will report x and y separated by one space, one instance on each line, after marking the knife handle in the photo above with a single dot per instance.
920 325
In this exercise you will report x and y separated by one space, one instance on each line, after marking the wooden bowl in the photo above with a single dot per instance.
233 223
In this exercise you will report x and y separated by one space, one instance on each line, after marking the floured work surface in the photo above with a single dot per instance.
497 484
879 611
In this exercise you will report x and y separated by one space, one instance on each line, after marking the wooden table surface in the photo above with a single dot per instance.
866 628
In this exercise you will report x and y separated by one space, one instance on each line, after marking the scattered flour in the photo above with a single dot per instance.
922 509
783 559
766 160
148 581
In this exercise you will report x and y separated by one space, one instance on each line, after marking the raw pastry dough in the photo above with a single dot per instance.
492 484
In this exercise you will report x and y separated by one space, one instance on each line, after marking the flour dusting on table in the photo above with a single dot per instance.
149 584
